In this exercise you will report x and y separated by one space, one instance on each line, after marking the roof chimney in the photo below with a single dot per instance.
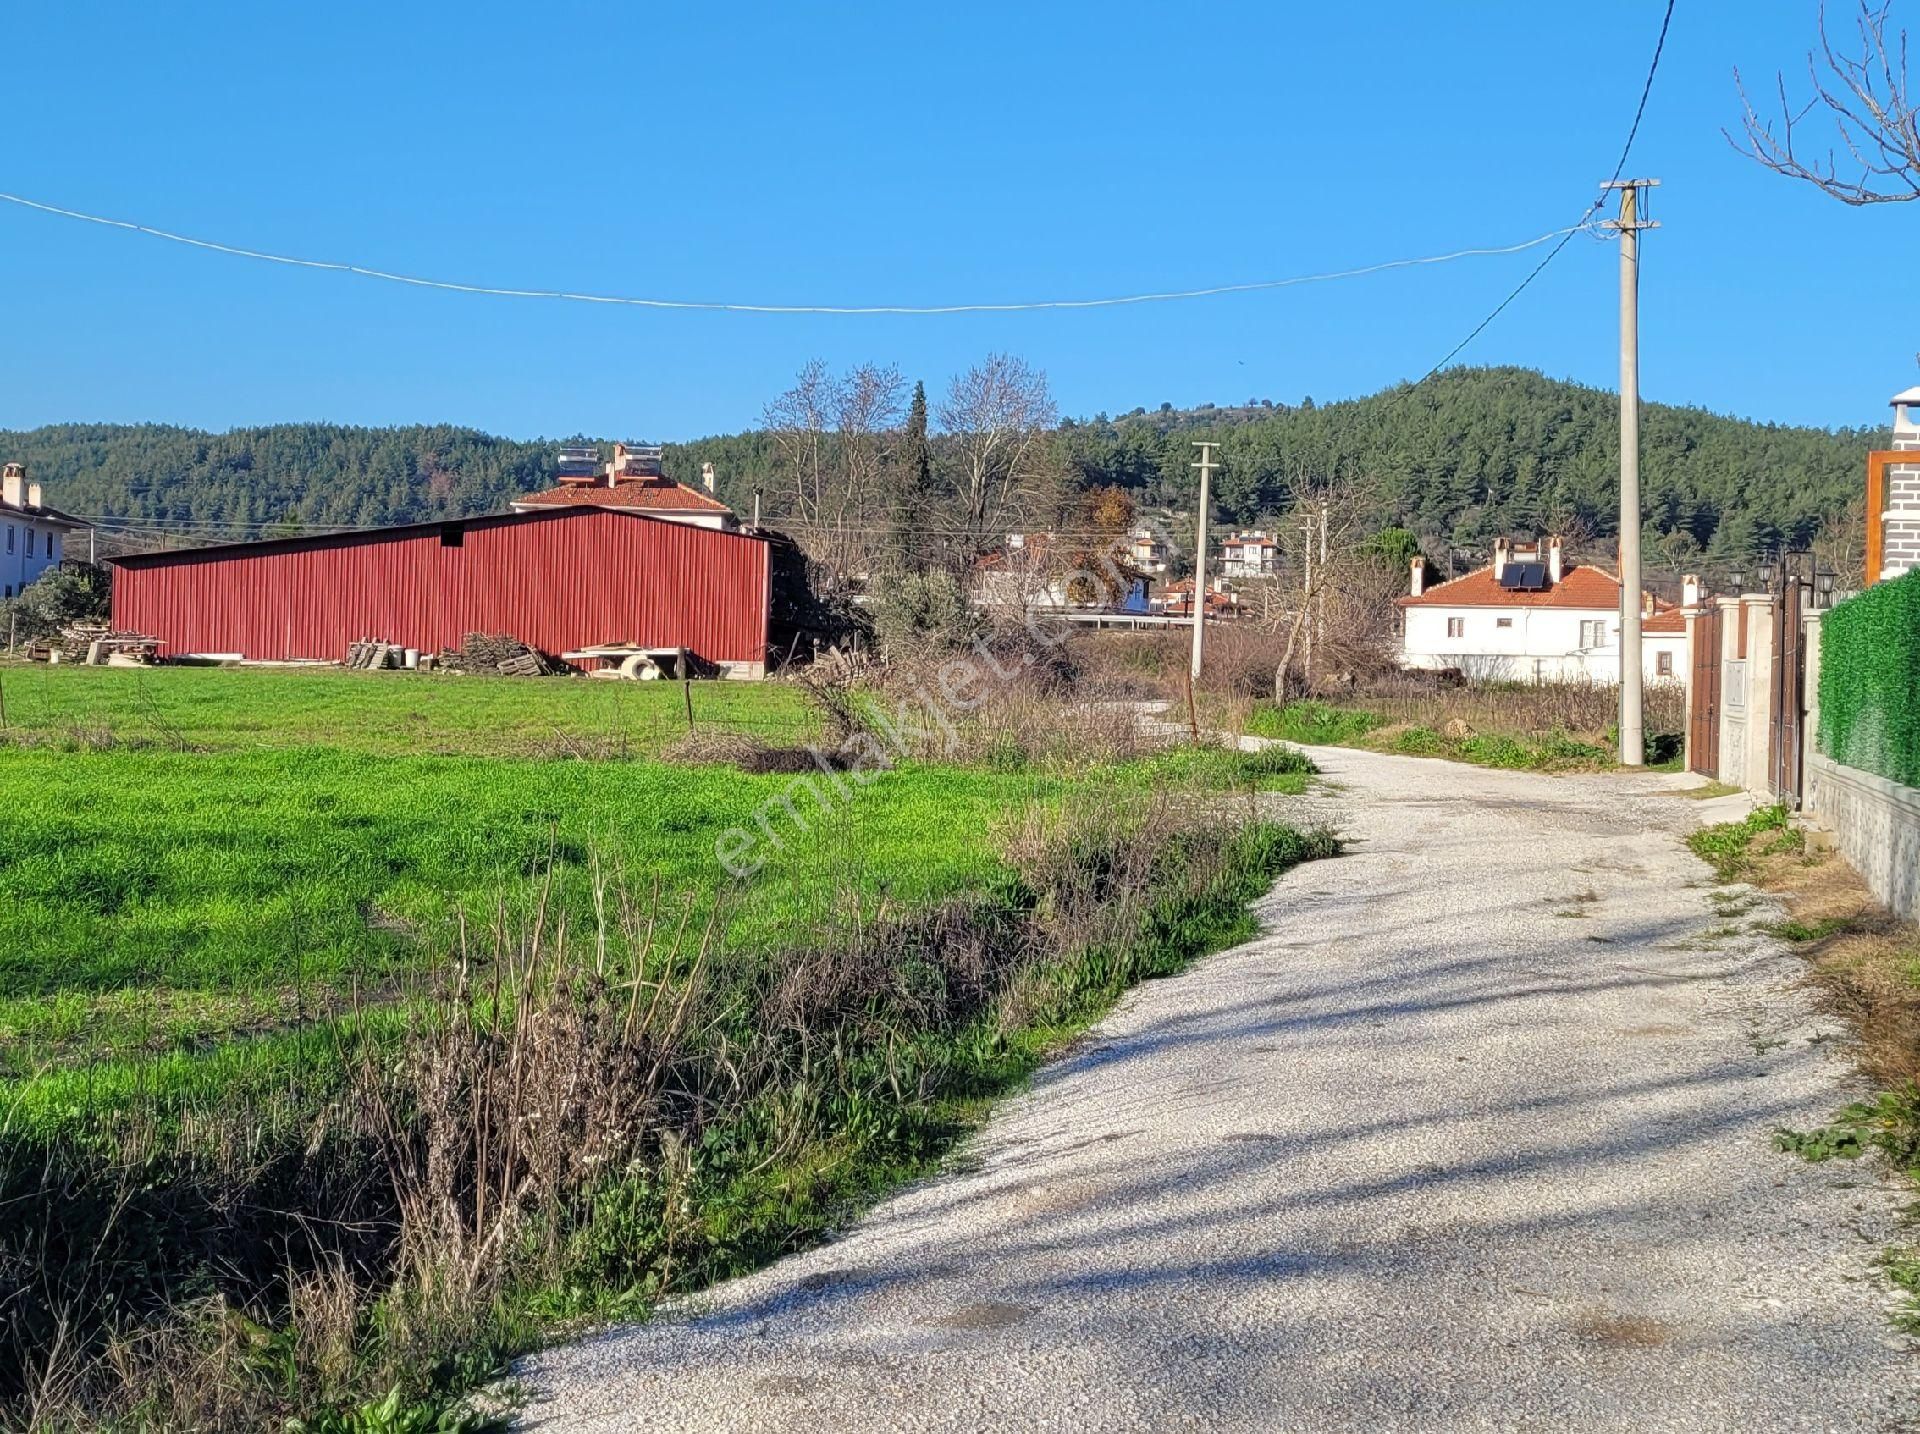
706 475
1419 576
1690 591
13 482
33 495
1646 603
1499 557
1906 419
1555 559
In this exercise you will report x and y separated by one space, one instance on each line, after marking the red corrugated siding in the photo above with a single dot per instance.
558 581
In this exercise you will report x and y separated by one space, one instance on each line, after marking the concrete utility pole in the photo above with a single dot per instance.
1206 465
1629 225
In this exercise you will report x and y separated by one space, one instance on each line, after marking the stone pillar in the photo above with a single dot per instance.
1811 628
1759 691
1733 695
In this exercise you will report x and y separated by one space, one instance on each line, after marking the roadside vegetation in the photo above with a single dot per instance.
341 1067
1548 727
1865 965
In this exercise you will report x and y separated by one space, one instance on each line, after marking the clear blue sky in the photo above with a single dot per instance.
904 154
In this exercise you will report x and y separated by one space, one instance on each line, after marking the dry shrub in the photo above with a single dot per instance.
1536 709
713 747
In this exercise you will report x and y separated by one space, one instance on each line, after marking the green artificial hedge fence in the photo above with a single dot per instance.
1870 681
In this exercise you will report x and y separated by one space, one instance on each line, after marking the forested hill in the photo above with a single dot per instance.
1470 453
1475 452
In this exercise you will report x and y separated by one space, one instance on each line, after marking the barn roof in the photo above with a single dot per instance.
408 530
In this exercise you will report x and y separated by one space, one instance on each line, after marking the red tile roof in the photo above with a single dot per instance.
1587 588
1668 620
646 494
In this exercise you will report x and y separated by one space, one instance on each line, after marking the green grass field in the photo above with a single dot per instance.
158 900
393 713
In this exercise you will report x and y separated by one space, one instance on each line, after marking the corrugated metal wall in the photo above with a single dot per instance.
558 581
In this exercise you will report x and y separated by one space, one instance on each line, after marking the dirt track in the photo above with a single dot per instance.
1475 1135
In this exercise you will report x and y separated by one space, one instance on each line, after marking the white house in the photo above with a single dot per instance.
632 482
1146 551
1529 617
1248 555
35 534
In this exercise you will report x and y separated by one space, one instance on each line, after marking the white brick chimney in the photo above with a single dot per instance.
1501 553
13 485
1555 559
1900 492
1419 576
1906 419
706 475
1690 592
33 495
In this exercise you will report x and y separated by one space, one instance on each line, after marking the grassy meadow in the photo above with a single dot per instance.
263 932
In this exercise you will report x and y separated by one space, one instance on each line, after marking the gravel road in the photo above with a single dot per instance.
1474 1135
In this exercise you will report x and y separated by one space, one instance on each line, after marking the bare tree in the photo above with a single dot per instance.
1865 94
996 415
1338 617
832 435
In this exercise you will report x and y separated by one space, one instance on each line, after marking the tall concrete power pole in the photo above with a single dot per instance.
1206 465
1629 225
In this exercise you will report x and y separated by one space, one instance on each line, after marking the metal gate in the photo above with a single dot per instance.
1786 725
1703 697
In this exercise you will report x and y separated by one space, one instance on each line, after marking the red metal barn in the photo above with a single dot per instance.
558 580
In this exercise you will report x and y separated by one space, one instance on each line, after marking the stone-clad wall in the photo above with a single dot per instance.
1877 826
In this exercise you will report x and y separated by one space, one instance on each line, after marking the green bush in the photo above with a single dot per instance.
1318 724
1870 681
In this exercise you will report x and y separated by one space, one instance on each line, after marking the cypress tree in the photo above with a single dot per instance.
913 502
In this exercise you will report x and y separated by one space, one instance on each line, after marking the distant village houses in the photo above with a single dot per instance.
1248 555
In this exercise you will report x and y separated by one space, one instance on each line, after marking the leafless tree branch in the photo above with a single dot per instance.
1866 95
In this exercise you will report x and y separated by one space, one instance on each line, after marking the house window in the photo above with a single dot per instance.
30 542
1593 633
1456 627
1503 622
1663 664
9 537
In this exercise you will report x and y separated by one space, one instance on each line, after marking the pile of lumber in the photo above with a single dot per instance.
97 644
497 653
371 655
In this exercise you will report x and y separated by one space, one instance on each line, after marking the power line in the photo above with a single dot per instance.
1566 235
855 309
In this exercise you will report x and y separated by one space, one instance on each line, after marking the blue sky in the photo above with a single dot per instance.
915 155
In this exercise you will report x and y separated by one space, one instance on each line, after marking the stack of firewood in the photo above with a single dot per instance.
497 653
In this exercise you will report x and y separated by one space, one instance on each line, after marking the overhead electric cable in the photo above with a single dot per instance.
1563 235
1586 219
